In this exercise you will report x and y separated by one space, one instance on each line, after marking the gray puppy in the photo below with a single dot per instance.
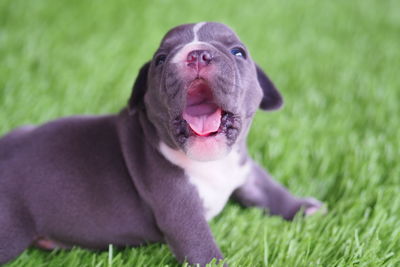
158 170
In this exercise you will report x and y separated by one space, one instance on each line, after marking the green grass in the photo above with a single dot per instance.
337 138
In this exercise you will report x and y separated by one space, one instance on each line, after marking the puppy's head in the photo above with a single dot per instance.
201 90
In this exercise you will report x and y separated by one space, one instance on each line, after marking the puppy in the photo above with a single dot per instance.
155 172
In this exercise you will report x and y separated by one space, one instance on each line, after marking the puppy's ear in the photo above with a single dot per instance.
139 89
272 98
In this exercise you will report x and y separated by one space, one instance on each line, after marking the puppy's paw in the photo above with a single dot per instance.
311 206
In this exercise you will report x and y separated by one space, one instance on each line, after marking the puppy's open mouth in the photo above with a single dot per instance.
201 112
202 117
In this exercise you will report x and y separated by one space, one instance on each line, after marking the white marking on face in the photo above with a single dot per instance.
214 180
196 28
195 44
200 148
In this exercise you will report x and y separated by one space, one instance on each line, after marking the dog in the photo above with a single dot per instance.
158 170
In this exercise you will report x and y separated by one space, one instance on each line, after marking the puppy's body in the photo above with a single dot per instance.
70 180
157 171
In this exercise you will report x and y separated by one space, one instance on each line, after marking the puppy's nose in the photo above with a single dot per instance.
199 58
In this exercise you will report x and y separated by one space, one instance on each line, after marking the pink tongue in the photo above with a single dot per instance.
203 118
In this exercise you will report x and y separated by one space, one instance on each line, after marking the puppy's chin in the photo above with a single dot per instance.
207 148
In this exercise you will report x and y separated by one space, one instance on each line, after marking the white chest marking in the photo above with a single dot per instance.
214 180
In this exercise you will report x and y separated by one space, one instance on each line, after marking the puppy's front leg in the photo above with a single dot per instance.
262 191
179 215
177 209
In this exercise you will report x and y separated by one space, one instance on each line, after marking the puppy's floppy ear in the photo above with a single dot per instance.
139 89
272 98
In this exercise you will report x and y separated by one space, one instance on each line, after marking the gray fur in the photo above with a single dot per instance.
94 181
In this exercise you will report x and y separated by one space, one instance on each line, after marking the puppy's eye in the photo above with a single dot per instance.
160 59
238 52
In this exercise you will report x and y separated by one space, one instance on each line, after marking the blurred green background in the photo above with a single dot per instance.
337 138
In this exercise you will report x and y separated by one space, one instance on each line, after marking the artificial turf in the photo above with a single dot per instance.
337 138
